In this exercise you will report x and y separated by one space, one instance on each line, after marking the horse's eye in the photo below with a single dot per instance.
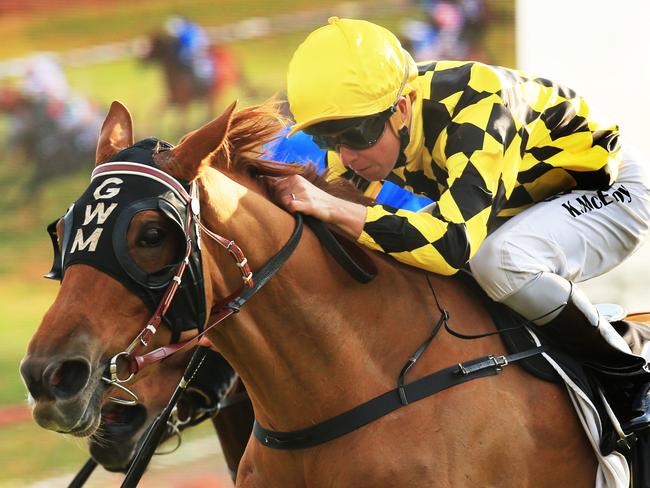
151 237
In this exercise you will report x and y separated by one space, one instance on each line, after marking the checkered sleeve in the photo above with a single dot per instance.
475 148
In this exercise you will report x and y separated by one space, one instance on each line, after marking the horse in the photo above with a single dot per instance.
123 426
125 421
231 412
215 394
182 86
311 344
52 137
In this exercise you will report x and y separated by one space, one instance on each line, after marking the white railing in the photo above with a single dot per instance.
249 28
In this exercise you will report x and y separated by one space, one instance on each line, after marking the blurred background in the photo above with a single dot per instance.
175 64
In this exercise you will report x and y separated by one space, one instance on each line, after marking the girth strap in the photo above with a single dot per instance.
379 406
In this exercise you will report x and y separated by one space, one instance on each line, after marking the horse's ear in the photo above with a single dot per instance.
116 133
184 160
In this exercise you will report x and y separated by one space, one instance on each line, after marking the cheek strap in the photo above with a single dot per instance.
396 123
404 139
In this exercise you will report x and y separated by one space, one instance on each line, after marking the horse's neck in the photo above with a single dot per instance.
313 342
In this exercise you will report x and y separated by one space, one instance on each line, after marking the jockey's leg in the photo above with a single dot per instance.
589 337
532 262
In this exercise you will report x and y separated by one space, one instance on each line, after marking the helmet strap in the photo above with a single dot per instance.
404 139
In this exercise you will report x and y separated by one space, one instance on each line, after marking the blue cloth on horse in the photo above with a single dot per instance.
300 148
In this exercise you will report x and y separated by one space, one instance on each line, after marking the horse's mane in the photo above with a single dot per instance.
250 130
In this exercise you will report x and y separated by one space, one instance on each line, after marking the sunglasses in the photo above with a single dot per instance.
364 134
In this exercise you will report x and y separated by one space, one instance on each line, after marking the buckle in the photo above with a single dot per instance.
113 369
498 361
491 361
625 444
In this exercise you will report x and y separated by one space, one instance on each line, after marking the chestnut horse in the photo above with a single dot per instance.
209 396
234 422
123 425
310 345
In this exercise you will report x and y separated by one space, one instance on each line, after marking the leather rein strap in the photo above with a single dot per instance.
359 266
388 402
362 272
232 303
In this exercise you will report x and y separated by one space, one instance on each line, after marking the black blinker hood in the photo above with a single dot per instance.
95 233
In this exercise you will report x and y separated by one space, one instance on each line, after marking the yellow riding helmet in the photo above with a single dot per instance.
348 68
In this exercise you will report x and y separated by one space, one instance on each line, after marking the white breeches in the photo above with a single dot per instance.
575 236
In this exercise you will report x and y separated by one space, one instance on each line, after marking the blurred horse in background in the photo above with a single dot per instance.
184 87
51 137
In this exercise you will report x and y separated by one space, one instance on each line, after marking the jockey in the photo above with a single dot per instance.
193 47
44 79
532 188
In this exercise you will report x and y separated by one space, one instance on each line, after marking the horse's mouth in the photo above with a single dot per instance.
120 422
86 425
114 442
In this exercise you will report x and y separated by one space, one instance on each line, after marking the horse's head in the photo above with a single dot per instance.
125 250
158 46
10 99
122 426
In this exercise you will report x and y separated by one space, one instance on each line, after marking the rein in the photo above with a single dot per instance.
231 304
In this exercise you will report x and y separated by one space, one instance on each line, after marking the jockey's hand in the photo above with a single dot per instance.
296 194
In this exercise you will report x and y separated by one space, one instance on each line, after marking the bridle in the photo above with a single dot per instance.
204 399
131 359
130 355
222 310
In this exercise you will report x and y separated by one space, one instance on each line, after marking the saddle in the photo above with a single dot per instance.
636 332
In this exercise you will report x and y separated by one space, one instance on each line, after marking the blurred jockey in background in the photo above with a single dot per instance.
46 86
44 79
451 29
49 127
193 48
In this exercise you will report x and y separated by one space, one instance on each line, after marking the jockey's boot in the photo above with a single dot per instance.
639 417
570 321
589 337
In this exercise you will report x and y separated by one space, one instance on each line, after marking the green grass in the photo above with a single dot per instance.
26 302
23 460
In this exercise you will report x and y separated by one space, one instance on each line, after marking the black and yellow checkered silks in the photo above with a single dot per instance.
486 142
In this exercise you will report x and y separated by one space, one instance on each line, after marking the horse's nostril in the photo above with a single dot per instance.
68 378
32 372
